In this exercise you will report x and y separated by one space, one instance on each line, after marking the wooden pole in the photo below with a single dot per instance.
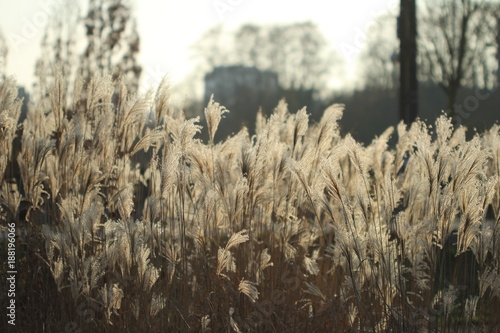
498 51
407 33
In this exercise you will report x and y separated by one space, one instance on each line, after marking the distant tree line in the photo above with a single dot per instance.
458 54
297 52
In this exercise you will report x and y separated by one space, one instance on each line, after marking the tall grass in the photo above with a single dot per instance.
133 224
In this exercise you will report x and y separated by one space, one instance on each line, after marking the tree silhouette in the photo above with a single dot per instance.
59 50
4 51
297 52
379 56
457 45
112 43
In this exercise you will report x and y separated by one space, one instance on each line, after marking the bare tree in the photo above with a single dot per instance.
59 47
212 49
113 41
498 49
380 54
297 52
4 51
251 39
457 45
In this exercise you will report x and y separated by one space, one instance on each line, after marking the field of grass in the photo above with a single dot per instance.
128 222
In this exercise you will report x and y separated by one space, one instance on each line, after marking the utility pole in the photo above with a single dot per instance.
498 51
407 34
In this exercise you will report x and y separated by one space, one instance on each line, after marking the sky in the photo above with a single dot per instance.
169 28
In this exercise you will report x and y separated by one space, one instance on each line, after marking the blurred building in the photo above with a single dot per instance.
242 90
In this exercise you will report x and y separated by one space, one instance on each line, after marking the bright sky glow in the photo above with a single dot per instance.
168 29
